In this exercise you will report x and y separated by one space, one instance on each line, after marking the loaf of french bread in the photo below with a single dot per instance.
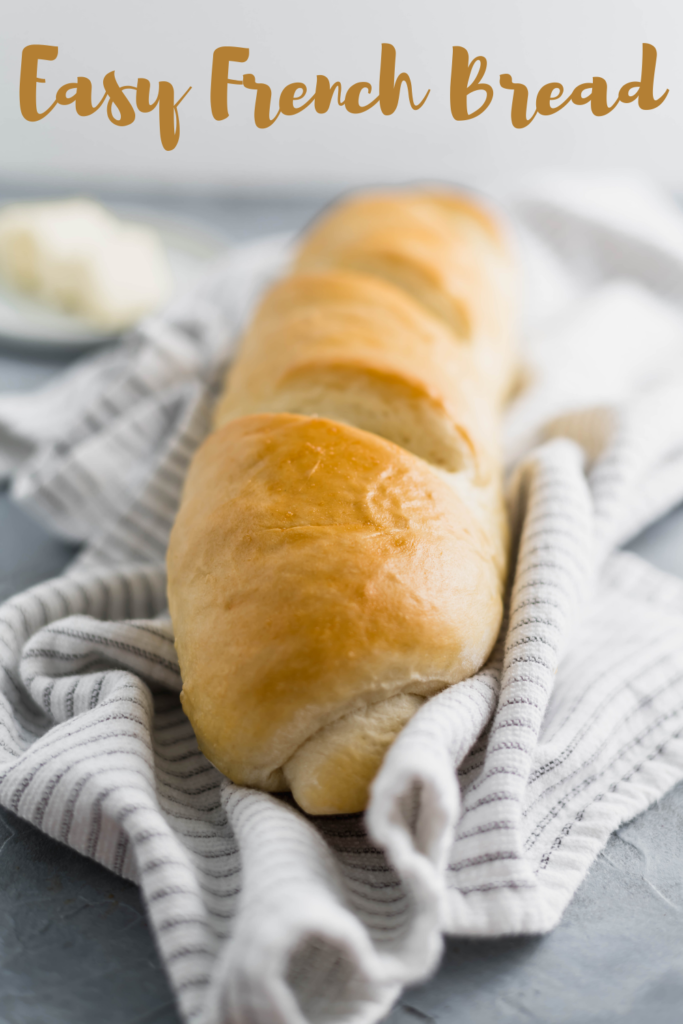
340 551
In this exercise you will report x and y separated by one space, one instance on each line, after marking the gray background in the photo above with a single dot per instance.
75 947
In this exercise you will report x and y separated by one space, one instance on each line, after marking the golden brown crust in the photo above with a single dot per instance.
340 551
331 772
352 348
314 569
441 248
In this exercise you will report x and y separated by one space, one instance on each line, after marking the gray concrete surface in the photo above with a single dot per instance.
75 947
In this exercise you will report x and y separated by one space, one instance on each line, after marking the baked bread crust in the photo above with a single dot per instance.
442 249
340 550
354 348
315 570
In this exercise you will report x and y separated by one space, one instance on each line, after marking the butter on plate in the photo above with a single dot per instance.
75 255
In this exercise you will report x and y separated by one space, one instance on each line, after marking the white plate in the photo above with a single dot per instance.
189 246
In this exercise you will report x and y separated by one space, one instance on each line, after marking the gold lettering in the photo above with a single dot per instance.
262 118
643 90
580 96
169 120
84 107
599 105
142 100
324 92
63 94
290 94
595 93
220 79
120 110
390 86
461 87
28 79
352 98
118 99
546 95
520 100
82 97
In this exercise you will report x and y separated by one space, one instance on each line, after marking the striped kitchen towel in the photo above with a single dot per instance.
496 798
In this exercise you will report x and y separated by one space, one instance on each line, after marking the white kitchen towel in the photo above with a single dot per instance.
496 798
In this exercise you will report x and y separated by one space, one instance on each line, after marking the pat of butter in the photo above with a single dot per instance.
76 255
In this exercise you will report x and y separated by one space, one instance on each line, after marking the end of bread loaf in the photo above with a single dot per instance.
331 773
316 571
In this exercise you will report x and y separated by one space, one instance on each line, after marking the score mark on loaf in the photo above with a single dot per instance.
340 550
